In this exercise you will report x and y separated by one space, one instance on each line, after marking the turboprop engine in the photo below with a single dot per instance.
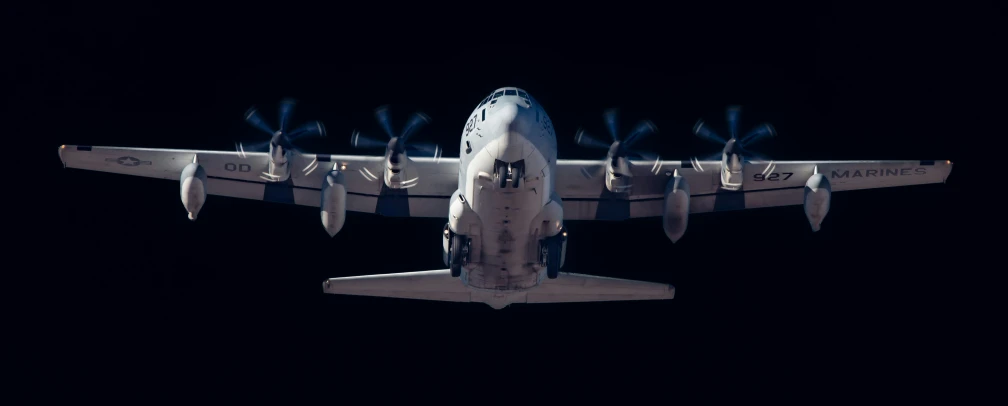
333 202
397 147
281 142
677 199
616 166
192 188
817 199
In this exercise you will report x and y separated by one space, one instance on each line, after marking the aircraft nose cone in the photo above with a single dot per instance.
506 112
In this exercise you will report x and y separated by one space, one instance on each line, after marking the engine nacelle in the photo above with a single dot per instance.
677 201
398 174
333 202
192 189
817 199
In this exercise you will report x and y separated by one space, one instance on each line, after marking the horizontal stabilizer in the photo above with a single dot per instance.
439 285
425 285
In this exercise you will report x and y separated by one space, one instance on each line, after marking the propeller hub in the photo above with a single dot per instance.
729 147
396 146
616 149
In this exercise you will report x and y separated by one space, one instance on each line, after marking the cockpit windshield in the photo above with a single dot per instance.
507 91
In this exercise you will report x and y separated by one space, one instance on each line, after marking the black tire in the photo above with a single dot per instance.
455 251
553 251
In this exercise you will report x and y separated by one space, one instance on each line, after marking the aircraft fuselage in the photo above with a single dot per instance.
505 201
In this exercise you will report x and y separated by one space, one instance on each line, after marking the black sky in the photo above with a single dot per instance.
762 302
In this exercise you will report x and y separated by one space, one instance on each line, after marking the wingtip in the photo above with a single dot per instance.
63 161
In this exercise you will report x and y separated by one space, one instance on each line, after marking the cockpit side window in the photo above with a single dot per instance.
522 94
498 94
483 102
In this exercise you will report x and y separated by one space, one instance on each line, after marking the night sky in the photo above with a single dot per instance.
762 303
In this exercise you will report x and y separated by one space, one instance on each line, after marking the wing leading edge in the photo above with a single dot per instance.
439 285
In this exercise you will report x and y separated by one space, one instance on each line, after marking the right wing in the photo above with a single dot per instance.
765 184
242 175
441 286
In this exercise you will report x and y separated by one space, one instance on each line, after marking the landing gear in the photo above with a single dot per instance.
510 172
551 254
458 253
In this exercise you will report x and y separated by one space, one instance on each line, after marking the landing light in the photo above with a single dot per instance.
343 167
564 233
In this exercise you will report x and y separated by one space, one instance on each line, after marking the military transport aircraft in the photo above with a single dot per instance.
506 196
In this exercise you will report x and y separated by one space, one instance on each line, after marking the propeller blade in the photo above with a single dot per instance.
425 149
758 133
286 109
594 171
749 155
414 124
587 141
361 141
243 148
382 114
701 130
716 156
732 117
314 128
645 156
253 117
610 119
642 130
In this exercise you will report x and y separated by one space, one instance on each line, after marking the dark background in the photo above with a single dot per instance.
863 307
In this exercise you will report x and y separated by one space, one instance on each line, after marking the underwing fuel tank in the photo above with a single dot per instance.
817 199
333 202
677 200
193 188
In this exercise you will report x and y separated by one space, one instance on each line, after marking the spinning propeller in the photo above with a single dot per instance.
398 144
619 150
734 145
281 140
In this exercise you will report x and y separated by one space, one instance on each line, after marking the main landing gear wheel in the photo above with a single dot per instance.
459 254
553 259
552 248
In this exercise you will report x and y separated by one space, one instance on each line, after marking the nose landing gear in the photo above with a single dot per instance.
510 172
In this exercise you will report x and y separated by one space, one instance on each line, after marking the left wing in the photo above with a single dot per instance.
764 184
245 176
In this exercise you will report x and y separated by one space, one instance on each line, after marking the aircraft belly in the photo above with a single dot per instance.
507 249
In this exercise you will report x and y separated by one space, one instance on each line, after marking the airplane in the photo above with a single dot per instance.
506 196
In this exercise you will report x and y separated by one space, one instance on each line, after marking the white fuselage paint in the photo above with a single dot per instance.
511 220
